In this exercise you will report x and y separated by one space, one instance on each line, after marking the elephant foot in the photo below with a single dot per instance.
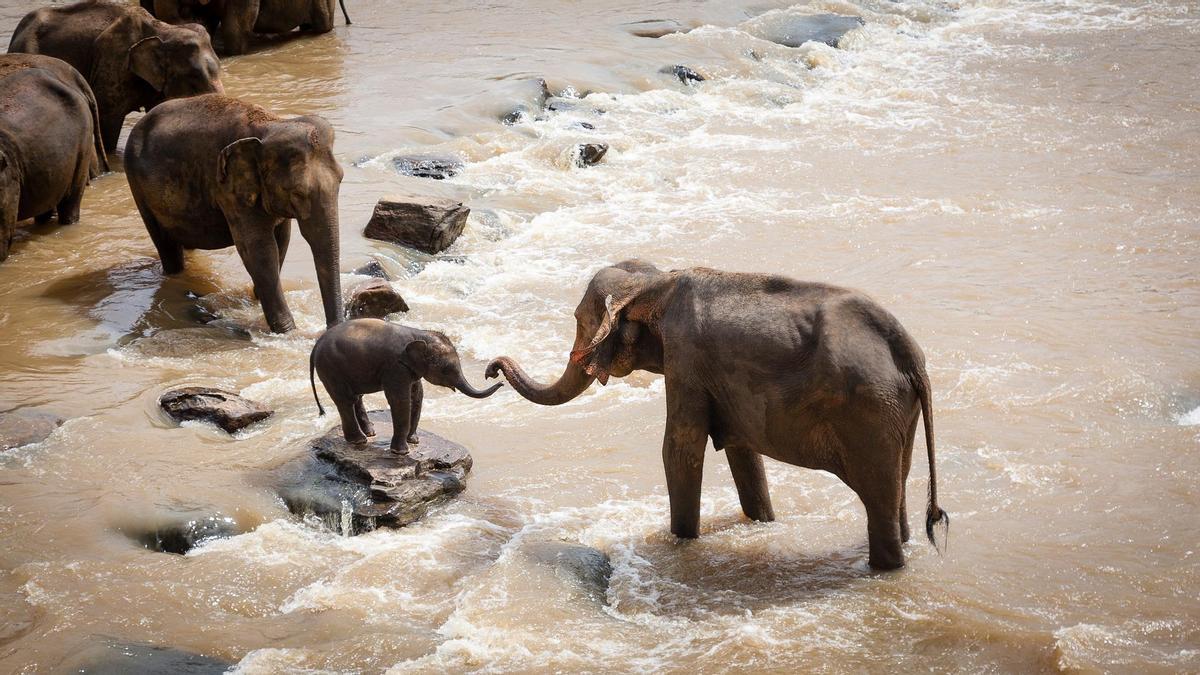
402 450
413 439
356 440
43 218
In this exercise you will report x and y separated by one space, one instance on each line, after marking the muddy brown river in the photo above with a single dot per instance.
1017 180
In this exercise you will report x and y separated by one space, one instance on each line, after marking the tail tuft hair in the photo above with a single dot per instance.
933 517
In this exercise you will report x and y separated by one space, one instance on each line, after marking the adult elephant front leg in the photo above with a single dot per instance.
237 25
750 477
684 440
254 237
283 237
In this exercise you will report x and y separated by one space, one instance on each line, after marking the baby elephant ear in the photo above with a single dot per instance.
416 356
238 171
145 63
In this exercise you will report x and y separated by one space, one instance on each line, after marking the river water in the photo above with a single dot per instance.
1016 180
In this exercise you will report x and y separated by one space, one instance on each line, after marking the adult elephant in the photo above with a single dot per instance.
236 21
809 374
47 148
211 171
131 60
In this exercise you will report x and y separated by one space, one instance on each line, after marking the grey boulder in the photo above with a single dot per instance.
427 223
222 408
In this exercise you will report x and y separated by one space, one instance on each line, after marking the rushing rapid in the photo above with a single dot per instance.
1014 179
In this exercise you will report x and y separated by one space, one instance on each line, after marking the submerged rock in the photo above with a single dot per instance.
225 409
374 299
112 657
374 268
686 75
582 566
531 95
428 166
655 28
26 427
590 154
358 488
184 533
564 104
426 223
793 31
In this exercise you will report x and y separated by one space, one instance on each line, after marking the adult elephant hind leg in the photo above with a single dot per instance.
68 207
684 440
170 252
879 488
750 478
905 465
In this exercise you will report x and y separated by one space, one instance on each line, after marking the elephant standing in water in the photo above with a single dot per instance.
236 21
131 60
211 171
48 143
809 374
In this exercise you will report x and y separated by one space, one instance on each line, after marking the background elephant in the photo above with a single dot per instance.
236 21
364 356
131 60
211 171
47 148
809 374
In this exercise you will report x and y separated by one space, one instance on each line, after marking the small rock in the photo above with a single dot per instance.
562 104
185 533
363 487
588 125
428 224
655 28
584 566
374 299
534 94
686 75
227 410
428 166
112 657
590 154
373 269
26 427
793 31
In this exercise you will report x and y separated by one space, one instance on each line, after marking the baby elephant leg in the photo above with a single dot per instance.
364 422
399 397
418 397
351 431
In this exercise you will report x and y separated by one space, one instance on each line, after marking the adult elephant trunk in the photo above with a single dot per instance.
320 230
466 388
573 382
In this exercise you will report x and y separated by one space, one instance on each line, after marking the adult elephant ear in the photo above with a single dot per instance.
238 172
145 62
596 358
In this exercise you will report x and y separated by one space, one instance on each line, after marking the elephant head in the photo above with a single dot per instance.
436 360
614 334
176 61
288 171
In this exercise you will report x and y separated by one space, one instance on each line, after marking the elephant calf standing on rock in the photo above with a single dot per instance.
212 171
364 356
809 374
131 60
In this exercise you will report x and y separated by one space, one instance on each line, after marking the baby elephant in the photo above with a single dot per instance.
364 356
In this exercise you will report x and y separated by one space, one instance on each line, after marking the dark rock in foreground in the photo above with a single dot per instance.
185 533
112 657
793 31
581 565
26 427
374 268
428 166
590 154
227 410
426 223
355 489
374 299
686 75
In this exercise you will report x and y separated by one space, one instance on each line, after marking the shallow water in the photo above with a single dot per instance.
1015 180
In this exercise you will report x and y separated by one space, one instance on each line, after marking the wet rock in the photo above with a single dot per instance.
358 488
532 95
686 75
656 28
428 166
590 154
227 410
112 657
184 533
26 427
374 299
583 566
793 31
426 223
374 268
563 104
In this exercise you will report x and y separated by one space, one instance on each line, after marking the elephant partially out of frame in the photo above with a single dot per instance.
805 373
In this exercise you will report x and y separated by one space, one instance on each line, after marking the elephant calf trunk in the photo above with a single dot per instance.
466 388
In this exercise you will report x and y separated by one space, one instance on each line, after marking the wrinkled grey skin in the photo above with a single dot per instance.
131 60
236 21
47 149
211 171
805 373
364 356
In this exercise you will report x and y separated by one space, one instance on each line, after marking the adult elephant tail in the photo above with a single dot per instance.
933 513
344 14
313 381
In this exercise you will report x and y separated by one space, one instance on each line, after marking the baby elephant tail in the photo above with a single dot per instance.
312 380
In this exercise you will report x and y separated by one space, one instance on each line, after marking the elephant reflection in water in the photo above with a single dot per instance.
805 373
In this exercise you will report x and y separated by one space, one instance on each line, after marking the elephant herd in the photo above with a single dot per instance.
809 374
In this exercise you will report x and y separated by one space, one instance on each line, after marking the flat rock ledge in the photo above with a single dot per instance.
355 489
794 31
222 408
426 223
26 427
